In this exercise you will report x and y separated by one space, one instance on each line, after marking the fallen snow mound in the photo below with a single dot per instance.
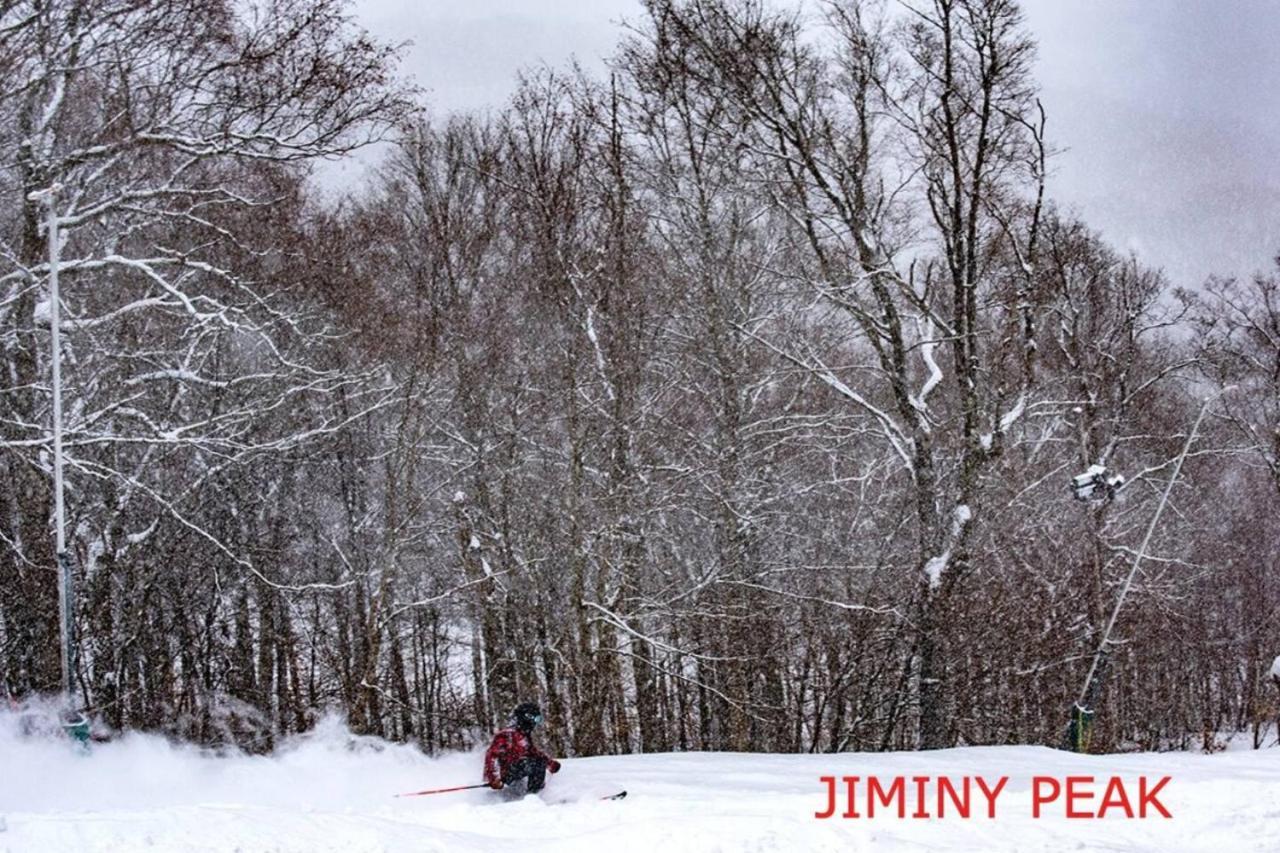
328 791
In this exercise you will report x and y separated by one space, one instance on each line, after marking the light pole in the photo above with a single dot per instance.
65 610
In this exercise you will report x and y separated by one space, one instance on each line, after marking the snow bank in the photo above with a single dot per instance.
326 768
1275 668
332 792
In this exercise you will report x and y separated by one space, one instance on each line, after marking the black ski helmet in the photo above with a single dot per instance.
526 716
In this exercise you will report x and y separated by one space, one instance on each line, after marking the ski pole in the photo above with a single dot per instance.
444 790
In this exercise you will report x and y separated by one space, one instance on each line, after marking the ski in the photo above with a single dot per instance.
618 796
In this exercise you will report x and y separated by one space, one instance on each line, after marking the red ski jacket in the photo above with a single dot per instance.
509 746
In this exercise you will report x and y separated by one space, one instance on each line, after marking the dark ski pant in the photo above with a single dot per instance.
532 769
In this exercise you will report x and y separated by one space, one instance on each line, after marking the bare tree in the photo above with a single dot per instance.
166 131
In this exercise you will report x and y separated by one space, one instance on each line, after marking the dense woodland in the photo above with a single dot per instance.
727 402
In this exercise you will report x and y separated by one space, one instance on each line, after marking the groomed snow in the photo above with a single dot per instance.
329 792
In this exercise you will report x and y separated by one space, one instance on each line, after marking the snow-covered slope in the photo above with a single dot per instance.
329 792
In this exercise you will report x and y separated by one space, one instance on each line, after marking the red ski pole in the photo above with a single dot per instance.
444 790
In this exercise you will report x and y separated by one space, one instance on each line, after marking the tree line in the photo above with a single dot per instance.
729 401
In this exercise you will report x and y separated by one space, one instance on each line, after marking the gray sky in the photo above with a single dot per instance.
1168 111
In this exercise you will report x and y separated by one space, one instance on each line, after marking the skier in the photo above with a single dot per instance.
512 757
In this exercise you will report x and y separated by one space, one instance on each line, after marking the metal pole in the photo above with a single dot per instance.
55 327
1142 550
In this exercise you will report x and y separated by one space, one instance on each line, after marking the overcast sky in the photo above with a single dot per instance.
1168 111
